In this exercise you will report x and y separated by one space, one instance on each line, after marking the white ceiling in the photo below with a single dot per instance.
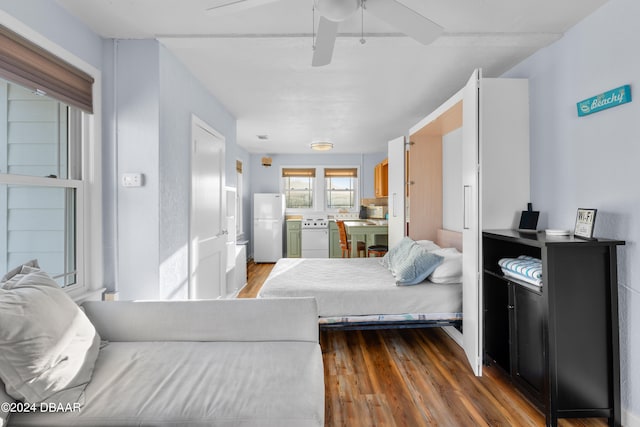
257 62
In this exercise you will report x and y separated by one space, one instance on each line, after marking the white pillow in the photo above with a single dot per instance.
450 270
10 274
48 347
428 245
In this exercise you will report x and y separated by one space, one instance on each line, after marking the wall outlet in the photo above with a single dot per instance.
132 180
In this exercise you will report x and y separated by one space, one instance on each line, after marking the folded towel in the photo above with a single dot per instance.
525 266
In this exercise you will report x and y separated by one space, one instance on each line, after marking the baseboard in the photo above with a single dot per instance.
454 334
630 420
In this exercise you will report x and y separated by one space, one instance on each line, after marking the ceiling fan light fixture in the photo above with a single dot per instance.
337 10
321 145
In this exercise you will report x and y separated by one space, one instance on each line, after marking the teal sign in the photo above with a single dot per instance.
609 99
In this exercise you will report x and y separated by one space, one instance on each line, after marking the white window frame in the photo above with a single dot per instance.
315 189
89 273
319 189
356 190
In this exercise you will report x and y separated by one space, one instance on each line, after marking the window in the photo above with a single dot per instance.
298 187
341 185
47 210
40 188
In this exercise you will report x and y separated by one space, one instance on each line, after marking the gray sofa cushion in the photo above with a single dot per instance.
200 384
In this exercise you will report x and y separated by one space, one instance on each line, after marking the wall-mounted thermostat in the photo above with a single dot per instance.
132 180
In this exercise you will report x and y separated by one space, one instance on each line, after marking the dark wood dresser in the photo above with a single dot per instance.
558 342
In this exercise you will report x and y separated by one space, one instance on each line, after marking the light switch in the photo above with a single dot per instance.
132 180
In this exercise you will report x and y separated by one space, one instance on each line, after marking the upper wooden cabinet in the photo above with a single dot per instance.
381 178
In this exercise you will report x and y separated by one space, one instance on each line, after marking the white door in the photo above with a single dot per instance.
397 190
207 257
471 295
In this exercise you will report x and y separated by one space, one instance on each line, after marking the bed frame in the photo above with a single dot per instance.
408 324
445 239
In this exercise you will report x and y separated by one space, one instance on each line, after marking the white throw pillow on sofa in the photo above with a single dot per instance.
48 347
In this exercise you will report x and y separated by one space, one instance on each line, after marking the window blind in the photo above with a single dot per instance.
340 172
29 65
299 172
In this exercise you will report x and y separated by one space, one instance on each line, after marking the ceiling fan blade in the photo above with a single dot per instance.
405 19
225 7
325 41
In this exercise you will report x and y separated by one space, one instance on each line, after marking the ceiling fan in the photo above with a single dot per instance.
333 12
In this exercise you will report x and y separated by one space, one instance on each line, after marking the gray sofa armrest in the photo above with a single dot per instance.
286 319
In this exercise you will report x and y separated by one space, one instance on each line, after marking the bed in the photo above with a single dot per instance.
362 293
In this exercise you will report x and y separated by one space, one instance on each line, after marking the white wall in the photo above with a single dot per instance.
150 110
593 162
181 95
137 109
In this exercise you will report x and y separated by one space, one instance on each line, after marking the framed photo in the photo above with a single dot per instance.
585 221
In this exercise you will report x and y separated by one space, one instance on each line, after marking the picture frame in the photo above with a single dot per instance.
585 222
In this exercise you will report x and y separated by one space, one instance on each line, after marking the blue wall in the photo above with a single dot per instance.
267 179
592 162
150 120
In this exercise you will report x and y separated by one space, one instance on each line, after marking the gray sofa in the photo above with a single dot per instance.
200 363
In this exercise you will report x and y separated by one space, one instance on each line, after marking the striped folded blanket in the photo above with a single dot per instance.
524 268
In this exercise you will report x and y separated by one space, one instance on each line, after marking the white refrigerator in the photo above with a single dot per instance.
268 226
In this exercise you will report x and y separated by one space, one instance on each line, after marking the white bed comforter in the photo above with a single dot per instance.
356 287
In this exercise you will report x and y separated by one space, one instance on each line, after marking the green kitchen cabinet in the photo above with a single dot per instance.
294 245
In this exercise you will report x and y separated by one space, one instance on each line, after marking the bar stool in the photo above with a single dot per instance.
377 250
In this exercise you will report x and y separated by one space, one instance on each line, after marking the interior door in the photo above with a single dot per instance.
397 185
208 253
471 292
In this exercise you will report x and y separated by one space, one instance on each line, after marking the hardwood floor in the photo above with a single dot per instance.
411 377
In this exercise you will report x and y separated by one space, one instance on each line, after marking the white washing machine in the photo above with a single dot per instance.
315 237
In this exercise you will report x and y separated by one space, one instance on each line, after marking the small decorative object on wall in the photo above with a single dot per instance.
585 221
266 161
611 98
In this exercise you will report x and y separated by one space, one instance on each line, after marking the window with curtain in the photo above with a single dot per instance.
298 187
43 102
341 188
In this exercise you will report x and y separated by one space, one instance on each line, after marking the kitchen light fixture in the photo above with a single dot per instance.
321 145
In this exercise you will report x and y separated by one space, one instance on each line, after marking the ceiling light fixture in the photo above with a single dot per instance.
321 145
263 137
337 10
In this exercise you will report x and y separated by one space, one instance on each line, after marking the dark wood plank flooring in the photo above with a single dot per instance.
411 377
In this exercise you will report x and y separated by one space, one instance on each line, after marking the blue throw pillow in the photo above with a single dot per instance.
419 264
397 253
